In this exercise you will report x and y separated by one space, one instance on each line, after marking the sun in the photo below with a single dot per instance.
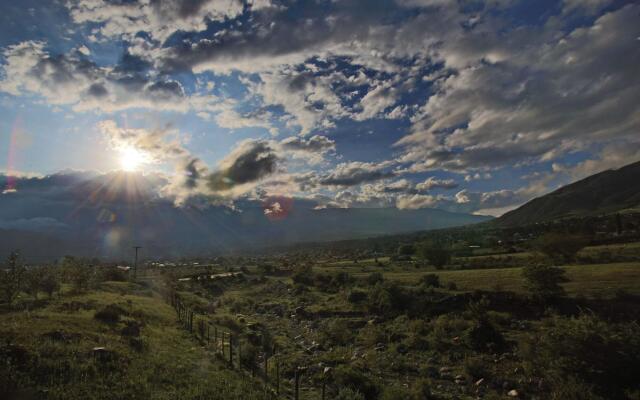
131 159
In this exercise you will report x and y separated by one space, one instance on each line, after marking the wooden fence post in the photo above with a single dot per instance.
266 365
296 391
230 349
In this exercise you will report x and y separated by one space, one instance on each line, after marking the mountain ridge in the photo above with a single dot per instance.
604 192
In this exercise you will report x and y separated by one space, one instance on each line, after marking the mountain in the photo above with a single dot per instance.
605 192
104 215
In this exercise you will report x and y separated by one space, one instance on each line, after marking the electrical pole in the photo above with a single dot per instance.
135 263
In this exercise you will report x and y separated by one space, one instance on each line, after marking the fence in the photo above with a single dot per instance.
229 347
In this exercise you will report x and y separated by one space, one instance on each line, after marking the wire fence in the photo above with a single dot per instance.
238 352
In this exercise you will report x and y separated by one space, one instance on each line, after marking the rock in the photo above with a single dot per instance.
444 370
513 393
460 377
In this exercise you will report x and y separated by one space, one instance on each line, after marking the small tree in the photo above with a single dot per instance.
77 273
11 278
375 278
49 283
32 279
560 247
406 250
543 281
435 254
430 280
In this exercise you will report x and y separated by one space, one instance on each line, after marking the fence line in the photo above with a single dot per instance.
228 346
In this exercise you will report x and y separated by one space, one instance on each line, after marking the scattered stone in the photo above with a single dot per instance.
513 393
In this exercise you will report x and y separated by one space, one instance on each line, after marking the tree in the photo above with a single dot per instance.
406 250
430 280
49 283
543 281
11 278
560 247
77 273
435 254
32 278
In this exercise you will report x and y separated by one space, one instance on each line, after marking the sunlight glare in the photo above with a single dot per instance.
131 159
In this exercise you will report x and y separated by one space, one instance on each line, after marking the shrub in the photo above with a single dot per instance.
588 351
485 337
374 278
31 281
406 250
543 281
49 283
395 393
11 278
110 314
349 394
435 254
357 296
430 280
303 275
348 377
560 246
477 367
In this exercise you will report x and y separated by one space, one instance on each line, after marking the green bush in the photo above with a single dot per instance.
110 314
560 246
430 280
543 281
356 296
11 278
436 254
374 278
590 352
351 378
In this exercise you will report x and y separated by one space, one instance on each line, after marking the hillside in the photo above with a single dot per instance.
119 341
605 192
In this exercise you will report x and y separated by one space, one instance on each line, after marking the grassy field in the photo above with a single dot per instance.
590 280
49 350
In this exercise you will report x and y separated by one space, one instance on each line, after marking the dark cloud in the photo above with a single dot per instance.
355 173
318 144
248 163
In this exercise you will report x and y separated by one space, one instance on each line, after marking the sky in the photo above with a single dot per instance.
469 106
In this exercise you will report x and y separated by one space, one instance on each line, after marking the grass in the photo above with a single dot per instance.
597 279
58 341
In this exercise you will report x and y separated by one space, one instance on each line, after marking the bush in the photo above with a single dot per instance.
374 278
349 394
347 377
485 337
31 281
110 314
303 275
588 351
560 246
395 393
435 254
430 280
357 296
11 278
406 250
49 283
543 281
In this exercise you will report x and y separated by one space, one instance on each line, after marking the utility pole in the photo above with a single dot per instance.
135 263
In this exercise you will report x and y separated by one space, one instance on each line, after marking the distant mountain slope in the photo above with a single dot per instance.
105 215
607 191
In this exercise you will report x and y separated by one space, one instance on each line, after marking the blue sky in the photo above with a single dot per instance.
468 106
